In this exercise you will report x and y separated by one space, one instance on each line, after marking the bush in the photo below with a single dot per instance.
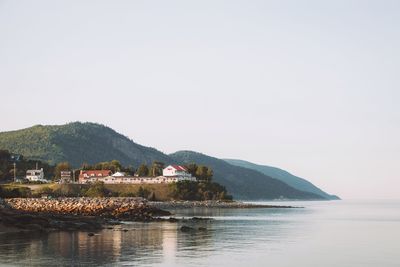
97 190
15 192
188 190
143 192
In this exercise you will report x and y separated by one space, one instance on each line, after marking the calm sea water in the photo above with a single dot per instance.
335 233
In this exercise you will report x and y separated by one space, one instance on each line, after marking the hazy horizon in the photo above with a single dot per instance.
308 87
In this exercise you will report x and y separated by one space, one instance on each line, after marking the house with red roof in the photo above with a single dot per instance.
177 173
86 176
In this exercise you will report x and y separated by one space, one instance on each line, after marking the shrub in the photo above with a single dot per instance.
143 192
97 190
188 190
15 192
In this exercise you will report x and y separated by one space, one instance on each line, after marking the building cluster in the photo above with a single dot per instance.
171 174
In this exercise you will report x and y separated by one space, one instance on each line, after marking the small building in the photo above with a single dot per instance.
89 176
177 173
119 174
65 177
36 176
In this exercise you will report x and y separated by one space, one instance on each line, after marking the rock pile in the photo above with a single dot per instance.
135 209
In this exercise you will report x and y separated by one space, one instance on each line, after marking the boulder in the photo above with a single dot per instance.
187 229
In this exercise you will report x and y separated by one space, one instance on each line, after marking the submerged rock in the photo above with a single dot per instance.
187 228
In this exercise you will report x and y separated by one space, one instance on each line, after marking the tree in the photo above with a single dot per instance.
97 190
62 166
113 165
156 168
143 170
86 166
192 168
204 174
116 165
4 155
128 170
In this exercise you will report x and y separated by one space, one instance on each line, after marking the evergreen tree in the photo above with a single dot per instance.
143 170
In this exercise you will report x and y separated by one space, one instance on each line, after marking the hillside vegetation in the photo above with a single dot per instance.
77 143
282 175
244 183
91 143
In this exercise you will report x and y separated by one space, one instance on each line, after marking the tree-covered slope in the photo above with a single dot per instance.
77 143
282 175
243 183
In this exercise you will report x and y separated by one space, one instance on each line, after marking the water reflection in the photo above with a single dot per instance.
151 243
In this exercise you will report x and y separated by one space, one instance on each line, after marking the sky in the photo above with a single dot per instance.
312 87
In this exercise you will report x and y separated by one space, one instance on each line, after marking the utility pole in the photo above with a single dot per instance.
15 172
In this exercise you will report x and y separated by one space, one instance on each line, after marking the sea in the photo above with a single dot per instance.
316 233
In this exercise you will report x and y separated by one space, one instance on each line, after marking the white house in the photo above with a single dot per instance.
177 173
36 175
119 174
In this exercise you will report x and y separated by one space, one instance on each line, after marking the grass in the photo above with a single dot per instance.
161 191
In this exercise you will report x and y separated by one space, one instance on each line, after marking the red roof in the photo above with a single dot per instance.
96 173
179 168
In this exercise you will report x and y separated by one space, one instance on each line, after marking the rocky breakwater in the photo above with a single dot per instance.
132 209
87 214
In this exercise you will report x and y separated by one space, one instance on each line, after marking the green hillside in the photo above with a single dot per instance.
77 143
244 183
284 176
91 143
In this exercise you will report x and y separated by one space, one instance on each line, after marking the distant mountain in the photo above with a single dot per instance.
284 176
77 143
244 183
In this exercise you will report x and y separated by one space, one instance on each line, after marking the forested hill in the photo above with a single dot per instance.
77 143
284 176
91 143
244 183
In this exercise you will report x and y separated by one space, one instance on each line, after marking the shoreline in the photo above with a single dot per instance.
213 204
94 214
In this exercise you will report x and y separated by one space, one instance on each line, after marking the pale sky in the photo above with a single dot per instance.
312 87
